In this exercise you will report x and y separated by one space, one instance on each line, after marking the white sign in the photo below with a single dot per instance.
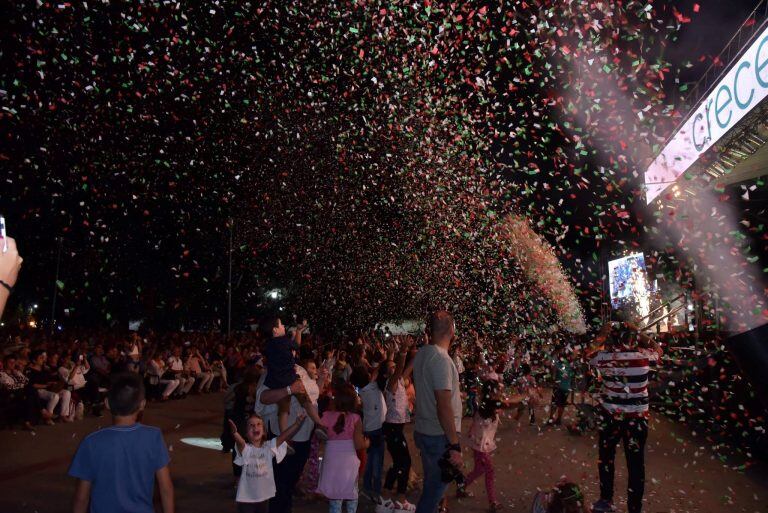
745 85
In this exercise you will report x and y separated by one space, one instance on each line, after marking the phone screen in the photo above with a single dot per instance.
3 235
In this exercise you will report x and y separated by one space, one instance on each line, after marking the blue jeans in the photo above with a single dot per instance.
334 506
432 449
374 465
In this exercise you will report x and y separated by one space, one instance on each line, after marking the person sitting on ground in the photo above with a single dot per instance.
565 497
116 467
281 369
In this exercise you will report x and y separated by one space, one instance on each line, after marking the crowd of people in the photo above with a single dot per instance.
331 412
46 379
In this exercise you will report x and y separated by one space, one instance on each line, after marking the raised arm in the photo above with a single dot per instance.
239 440
399 366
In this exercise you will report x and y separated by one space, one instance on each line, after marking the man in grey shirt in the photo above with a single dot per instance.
438 409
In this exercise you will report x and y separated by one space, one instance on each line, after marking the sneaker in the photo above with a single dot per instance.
463 493
603 506
385 506
403 507
321 434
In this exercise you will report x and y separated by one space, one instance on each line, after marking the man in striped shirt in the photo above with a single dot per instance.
623 363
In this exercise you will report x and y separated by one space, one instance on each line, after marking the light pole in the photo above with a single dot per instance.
229 281
56 284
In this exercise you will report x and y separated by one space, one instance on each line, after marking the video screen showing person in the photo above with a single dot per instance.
628 280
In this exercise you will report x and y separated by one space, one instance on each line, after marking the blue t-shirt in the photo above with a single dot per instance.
120 462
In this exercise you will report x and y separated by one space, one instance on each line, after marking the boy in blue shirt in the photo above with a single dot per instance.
116 467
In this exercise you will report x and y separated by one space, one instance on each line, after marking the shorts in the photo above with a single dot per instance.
280 377
560 397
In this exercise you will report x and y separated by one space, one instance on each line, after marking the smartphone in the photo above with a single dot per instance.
3 235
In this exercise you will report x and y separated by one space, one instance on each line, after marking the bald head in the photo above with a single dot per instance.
441 327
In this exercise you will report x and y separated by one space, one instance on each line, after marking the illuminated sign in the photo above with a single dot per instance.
745 85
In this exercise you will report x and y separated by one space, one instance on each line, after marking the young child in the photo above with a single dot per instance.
482 437
116 467
338 476
281 369
565 497
257 480
526 385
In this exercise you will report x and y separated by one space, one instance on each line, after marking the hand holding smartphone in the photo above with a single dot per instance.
3 234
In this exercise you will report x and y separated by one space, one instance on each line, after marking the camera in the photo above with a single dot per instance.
448 471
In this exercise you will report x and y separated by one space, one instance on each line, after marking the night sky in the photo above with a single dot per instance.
376 159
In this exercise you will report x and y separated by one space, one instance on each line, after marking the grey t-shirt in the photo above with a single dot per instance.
434 370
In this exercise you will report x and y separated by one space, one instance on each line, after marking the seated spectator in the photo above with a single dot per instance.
179 373
73 374
156 371
48 388
101 366
21 400
199 370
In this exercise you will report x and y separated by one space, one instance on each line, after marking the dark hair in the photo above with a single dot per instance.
34 355
622 335
344 401
566 498
359 376
489 405
525 369
267 324
382 378
125 394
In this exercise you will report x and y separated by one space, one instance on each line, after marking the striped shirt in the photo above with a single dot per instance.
624 371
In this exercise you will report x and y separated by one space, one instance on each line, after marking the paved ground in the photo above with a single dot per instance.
683 475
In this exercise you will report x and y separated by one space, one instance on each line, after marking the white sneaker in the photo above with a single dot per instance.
385 506
404 507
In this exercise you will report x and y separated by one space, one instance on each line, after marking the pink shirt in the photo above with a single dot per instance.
329 419
482 434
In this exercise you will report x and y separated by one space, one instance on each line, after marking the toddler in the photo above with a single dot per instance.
281 369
